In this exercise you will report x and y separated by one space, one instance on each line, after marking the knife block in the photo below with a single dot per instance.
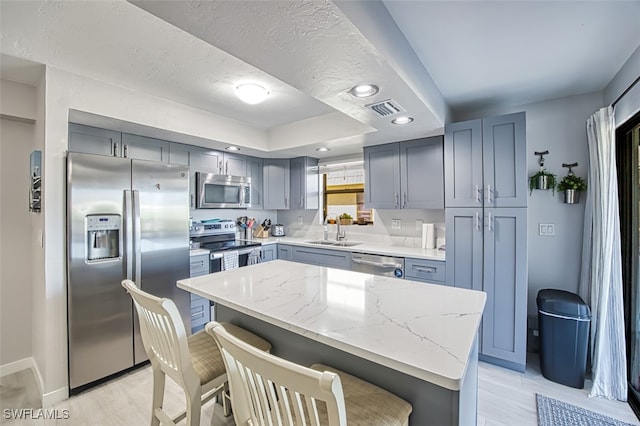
260 232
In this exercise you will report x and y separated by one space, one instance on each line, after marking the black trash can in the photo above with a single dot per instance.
563 320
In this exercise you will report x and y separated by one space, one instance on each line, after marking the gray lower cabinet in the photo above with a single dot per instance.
276 181
429 271
487 251
485 162
322 257
405 175
284 252
200 307
269 252
305 183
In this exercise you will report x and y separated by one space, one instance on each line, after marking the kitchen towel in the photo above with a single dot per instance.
254 256
230 260
428 236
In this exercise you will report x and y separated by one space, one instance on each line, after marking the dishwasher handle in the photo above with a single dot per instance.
385 265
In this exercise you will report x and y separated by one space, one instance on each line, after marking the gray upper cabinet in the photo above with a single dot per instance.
144 148
382 176
179 154
422 173
485 162
305 183
254 171
92 140
405 175
234 165
276 184
206 160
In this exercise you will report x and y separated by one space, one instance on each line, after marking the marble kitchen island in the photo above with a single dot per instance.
416 340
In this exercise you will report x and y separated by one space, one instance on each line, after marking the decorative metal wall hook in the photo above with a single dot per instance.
569 166
541 154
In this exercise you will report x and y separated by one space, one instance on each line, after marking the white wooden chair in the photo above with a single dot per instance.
267 390
193 362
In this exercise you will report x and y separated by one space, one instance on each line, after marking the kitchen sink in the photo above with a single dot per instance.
334 243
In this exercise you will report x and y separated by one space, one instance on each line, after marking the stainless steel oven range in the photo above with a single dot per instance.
218 236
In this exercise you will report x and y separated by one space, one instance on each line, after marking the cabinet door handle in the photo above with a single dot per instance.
404 202
285 201
489 222
489 198
429 270
115 149
125 152
302 201
477 224
397 200
478 196
226 167
192 201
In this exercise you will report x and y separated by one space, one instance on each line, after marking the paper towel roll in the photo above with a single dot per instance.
428 236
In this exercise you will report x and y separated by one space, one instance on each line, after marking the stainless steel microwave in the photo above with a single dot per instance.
222 191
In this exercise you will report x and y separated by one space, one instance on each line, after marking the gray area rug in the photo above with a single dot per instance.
552 412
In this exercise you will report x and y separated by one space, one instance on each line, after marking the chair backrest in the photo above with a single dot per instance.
267 390
163 334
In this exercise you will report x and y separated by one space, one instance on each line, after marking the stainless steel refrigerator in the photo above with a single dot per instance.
125 219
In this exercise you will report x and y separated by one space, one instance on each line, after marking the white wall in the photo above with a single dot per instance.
558 126
16 142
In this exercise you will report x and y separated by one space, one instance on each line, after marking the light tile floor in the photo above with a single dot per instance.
505 398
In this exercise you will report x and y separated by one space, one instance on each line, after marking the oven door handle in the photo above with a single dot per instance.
218 254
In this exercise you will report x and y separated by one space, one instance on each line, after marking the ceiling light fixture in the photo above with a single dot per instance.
323 149
364 90
232 148
402 120
251 93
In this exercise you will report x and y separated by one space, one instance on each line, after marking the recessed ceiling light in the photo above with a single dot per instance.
232 148
323 149
364 90
251 93
402 120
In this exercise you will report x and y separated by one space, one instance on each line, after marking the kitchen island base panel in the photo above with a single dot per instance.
432 404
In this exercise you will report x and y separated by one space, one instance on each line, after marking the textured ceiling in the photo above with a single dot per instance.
431 57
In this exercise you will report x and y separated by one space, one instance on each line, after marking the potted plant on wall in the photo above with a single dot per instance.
572 185
542 179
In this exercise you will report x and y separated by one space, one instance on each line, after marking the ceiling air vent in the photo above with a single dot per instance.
386 108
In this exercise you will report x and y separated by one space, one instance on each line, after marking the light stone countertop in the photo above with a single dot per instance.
365 247
423 330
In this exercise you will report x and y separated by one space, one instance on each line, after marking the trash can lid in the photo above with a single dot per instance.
562 302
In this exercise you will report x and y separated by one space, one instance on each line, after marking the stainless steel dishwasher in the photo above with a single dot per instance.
378 265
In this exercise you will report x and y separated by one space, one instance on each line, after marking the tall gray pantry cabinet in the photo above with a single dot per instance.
486 227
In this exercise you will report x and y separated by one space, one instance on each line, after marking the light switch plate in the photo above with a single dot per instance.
396 223
547 229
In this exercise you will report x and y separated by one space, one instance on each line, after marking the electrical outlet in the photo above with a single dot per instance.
547 229
419 223
396 223
299 220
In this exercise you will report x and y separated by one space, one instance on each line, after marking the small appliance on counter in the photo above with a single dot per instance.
277 230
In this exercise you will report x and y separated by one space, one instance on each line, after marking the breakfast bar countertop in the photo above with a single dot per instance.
426 331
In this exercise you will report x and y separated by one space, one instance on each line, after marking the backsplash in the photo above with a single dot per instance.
307 224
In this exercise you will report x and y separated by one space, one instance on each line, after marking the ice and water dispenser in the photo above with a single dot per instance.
103 237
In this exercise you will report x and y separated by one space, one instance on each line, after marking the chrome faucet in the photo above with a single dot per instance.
340 234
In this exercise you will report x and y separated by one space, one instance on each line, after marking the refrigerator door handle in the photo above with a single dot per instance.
136 236
128 234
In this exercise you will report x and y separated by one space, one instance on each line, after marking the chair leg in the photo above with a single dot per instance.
226 400
194 407
158 394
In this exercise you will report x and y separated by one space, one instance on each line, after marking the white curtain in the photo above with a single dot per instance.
601 278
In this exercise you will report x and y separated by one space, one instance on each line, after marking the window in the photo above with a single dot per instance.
343 192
